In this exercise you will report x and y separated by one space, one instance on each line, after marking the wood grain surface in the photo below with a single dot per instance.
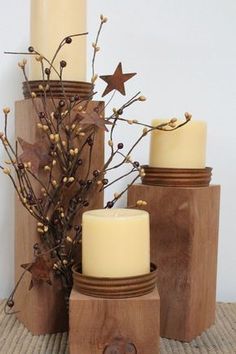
184 242
120 326
42 309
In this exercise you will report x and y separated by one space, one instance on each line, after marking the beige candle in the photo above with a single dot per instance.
51 21
182 148
115 243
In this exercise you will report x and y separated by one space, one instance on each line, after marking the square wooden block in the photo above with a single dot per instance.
184 243
42 309
114 326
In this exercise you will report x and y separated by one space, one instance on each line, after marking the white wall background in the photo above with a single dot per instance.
185 54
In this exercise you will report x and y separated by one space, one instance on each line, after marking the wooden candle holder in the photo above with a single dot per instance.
177 177
114 324
58 89
42 309
114 288
184 242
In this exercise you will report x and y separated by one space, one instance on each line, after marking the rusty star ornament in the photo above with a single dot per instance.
116 81
93 117
36 153
40 270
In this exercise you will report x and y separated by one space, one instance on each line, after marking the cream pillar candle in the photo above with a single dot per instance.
51 21
182 148
115 243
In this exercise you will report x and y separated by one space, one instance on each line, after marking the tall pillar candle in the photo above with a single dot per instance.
115 243
181 148
51 21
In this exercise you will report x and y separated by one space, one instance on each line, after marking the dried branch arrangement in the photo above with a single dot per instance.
47 174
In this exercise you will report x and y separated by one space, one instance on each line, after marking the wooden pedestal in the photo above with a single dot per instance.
114 326
184 241
42 309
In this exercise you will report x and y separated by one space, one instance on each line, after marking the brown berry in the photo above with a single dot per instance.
68 40
62 103
120 112
110 205
10 303
47 71
96 173
120 146
136 164
63 64
89 182
56 115
90 142
41 115
21 166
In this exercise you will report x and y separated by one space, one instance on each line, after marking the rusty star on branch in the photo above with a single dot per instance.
36 153
40 271
93 117
116 81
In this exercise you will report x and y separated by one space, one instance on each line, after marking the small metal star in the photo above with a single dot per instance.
40 271
93 117
36 153
116 81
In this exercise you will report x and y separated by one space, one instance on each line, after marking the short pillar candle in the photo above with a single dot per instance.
181 148
52 21
116 243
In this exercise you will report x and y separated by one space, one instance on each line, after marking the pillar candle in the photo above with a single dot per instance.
51 21
115 243
181 148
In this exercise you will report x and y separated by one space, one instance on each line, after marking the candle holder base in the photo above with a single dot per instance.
107 326
58 89
177 177
184 240
115 288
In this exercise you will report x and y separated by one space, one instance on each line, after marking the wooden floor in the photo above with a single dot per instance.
220 339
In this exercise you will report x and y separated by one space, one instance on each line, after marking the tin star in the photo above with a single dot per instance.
116 81
40 271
